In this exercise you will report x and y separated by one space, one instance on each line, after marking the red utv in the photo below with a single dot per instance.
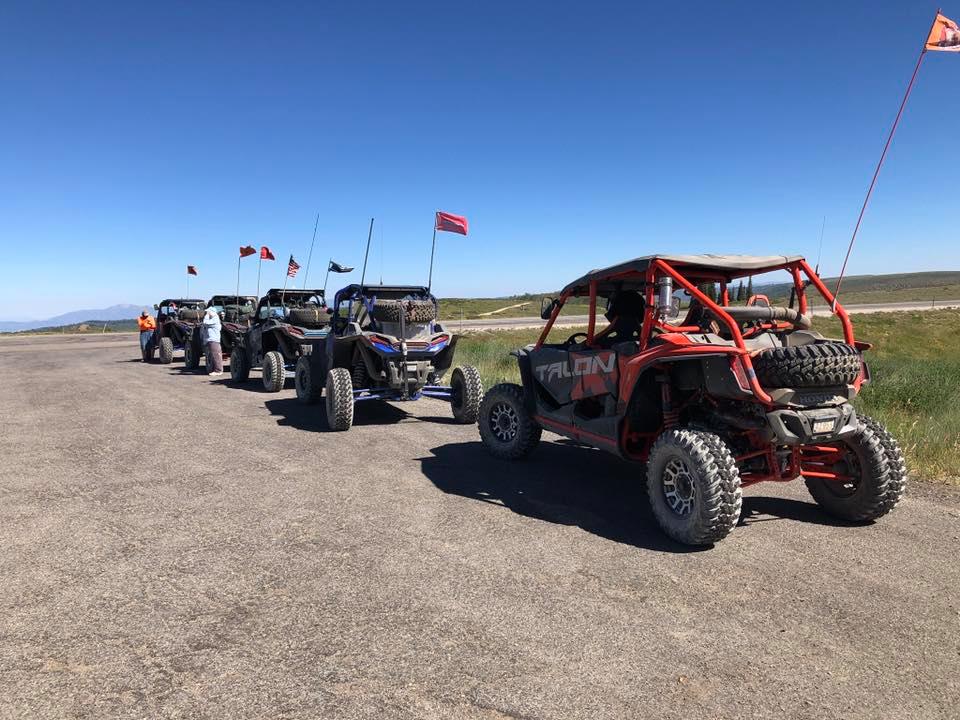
727 397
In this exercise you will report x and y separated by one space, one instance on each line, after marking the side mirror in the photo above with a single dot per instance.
156 307
547 306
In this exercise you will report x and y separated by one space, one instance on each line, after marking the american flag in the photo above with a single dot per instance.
292 268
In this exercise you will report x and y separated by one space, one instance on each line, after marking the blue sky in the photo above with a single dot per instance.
140 137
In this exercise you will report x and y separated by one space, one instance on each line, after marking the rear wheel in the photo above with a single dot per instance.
308 389
896 464
466 392
239 365
166 350
507 429
860 492
339 393
694 486
274 372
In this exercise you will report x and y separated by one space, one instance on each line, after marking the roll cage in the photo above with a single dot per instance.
643 275
359 299
283 300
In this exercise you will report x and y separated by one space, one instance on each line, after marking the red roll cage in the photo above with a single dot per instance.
646 279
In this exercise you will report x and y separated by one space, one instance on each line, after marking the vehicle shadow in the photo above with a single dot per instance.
559 483
757 509
293 413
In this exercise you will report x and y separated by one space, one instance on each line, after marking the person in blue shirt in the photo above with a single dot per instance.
210 330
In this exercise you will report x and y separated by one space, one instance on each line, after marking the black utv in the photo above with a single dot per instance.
176 320
284 327
236 313
386 343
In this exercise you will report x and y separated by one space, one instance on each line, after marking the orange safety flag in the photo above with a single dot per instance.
944 35
191 270
247 250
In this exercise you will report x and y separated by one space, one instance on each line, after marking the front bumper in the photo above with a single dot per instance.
804 427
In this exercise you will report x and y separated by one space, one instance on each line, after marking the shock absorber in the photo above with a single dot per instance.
671 416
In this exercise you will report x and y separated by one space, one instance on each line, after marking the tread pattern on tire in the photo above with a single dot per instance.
339 392
528 434
471 394
896 463
189 314
191 355
274 372
720 495
308 390
416 311
239 366
869 501
166 350
819 364
358 374
308 316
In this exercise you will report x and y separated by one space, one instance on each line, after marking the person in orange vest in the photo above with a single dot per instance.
147 327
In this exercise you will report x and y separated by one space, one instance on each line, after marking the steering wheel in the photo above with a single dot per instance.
572 341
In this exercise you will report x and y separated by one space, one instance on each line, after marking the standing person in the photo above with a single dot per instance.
211 338
147 326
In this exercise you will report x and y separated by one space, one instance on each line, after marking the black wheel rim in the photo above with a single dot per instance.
679 488
504 422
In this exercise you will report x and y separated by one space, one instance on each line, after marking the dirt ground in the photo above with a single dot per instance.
180 548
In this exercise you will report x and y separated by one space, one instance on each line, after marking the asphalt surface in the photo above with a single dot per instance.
180 548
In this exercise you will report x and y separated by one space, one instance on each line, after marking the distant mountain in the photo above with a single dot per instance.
114 312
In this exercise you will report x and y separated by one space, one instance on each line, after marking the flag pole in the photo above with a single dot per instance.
285 278
363 275
883 155
433 247
188 284
259 265
326 277
307 272
239 258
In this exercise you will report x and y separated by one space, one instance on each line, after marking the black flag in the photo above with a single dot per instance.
338 268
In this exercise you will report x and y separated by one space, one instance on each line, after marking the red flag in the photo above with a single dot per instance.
292 267
451 223
191 270
247 250
265 253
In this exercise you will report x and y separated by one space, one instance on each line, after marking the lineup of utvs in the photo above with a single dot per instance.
726 397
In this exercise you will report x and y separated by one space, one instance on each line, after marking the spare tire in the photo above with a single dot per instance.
416 311
308 316
236 313
818 364
189 315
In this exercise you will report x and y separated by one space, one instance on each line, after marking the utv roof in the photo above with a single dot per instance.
373 289
231 296
290 292
180 301
729 265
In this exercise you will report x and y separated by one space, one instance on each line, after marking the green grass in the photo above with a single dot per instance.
89 327
915 363
471 308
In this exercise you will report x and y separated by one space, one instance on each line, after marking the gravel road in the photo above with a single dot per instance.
181 548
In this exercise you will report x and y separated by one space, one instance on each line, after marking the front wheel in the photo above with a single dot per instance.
507 429
466 392
274 372
339 393
308 387
694 486
860 488
166 350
